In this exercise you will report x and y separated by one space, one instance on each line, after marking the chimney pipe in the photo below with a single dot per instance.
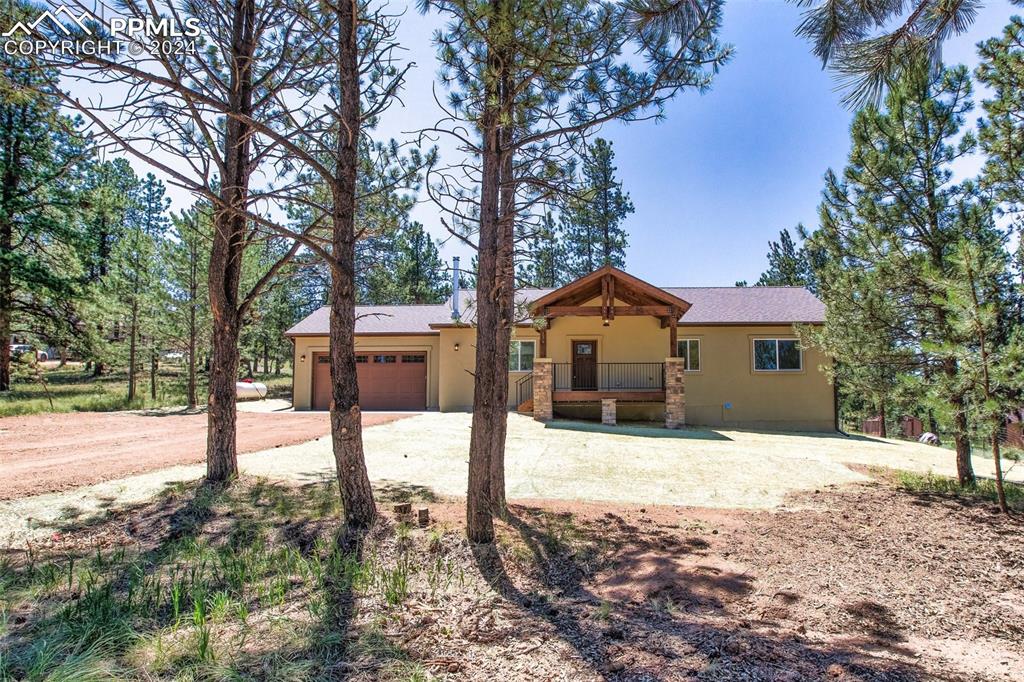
455 288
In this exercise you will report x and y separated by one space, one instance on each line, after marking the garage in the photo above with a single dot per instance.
388 380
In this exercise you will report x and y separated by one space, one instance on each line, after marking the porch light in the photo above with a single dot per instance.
302 358
606 322
456 346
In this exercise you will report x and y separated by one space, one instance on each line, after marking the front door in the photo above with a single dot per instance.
584 365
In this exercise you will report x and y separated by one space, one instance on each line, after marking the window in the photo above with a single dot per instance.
777 355
407 359
689 351
385 359
361 358
520 356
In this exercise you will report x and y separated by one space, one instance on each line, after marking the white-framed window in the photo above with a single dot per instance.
777 355
689 351
520 356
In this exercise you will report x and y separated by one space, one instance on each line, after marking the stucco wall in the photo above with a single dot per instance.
799 400
307 345
455 393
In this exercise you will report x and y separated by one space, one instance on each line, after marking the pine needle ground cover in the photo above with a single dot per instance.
865 581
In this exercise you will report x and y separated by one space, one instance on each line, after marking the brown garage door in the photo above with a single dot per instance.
387 381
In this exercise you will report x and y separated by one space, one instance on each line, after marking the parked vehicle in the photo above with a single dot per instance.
19 349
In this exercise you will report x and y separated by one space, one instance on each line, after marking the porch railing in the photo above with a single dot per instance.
524 389
610 376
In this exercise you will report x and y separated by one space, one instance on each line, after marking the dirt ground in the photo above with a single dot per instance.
865 582
53 452
579 461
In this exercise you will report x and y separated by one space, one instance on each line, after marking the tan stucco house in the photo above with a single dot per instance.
703 356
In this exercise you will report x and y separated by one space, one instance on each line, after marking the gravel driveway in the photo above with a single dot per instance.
726 469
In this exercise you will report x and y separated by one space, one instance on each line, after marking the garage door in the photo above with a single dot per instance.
387 381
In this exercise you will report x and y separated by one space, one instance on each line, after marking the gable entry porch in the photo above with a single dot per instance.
608 338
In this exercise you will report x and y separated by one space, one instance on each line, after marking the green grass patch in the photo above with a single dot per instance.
72 389
984 489
242 582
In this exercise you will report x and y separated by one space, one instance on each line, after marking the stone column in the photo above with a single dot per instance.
608 411
543 389
675 394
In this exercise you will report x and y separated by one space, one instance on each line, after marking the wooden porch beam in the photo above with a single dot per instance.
544 342
672 335
604 297
611 298
594 311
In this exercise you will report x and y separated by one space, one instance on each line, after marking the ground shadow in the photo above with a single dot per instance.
641 430
647 637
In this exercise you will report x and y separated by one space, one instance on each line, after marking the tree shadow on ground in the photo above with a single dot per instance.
198 558
682 628
635 429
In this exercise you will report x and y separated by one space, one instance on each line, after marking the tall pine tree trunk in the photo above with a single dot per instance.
6 301
154 367
221 453
346 419
488 414
193 399
883 432
132 349
961 437
227 250
505 299
998 462
10 186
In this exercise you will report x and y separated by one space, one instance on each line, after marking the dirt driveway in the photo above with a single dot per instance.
46 453
573 461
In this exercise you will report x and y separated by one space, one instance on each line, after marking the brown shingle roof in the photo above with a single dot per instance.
709 306
378 319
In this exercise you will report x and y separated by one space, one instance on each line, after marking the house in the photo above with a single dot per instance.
712 356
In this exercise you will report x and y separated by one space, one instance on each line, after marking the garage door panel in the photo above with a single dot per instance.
388 380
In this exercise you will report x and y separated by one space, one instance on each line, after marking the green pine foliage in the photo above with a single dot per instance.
404 267
39 239
592 227
889 224
545 252
788 264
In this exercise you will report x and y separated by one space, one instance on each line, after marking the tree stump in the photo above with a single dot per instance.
423 517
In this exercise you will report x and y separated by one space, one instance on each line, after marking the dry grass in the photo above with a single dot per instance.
254 582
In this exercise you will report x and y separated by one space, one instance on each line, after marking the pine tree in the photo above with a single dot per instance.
787 264
1001 133
543 265
527 81
419 271
887 228
185 257
974 292
39 260
593 231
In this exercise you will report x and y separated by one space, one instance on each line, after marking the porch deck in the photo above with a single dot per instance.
624 381
645 396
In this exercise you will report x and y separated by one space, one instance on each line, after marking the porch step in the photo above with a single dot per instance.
525 407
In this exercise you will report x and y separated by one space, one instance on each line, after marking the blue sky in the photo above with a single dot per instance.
724 172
